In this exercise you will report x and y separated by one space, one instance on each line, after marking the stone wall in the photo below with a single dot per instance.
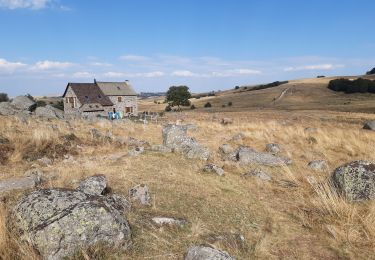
129 102
71 102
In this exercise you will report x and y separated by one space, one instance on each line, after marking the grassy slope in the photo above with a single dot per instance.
305 94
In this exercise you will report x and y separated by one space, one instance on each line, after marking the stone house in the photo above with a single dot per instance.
99 98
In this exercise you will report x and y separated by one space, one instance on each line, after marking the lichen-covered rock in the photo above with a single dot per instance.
258 174
318 165
94 185
141 194
49 112
206 253
174 137
18 184
160 148
136 151
355 180
213 168
248 155
273 148
23 103
58 222
6 109
369 125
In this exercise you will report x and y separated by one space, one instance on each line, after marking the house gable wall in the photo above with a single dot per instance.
69 107
126 101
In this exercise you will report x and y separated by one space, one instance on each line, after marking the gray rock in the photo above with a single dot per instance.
259 174
6 109
273 148
226 149
174 137
36 174
213 168
18 184
226 121
247 155
311 129
23 103
355 180
97 135
136 151
58 222
369 125
119 202
161 148
238 137
141 194
206 253
94 185
165 221
48 112
318 165
45 161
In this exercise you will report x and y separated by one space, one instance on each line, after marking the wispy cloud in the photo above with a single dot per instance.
28 4
136 58
152 74
314 67
100 64
52 65
10 67
184 73
83 74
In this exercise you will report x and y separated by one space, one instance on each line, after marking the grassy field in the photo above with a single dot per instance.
295 216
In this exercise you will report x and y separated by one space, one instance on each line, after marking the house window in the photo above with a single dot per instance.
119 99
66 100
71 100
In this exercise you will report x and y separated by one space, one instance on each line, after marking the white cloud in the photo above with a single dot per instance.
184 73
151 74
9 67
136 58
246 71
31 4
83 74
101 64
314 67
112 74
50 65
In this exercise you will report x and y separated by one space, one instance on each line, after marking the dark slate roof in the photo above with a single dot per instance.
88 93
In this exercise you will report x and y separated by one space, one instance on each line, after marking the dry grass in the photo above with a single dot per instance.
296 216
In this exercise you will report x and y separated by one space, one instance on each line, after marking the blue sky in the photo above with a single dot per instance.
204 44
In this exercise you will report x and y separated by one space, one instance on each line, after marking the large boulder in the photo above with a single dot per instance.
174 137
58 222
369 125
49 112
355 180
6 109
206 253
23 103
248 155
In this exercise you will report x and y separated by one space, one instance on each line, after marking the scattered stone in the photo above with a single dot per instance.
162 221
141 194
206 253
238 137
312 140
175 138
369 125
136 151
318 165
161 148
226 149
247 155
58 222
130 141
259 174
36 174
355 180
23 103
273 148
116 156
18 184
226 121
213 168
96 134
94 185
45 160
311 129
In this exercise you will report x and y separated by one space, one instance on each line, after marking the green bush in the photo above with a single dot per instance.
41 103
59 105
320 76
236 87
371 72
4 97
208 104
359 85
192 107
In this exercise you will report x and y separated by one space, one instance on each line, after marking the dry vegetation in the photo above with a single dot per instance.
296 216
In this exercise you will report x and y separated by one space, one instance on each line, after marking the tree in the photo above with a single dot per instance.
178 96
4 97
371 72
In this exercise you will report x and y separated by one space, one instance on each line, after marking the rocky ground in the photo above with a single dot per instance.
265 185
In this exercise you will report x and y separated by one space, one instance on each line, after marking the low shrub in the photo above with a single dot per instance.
4 97
230 103
192 107
168 108
371 72
359 85
208 104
